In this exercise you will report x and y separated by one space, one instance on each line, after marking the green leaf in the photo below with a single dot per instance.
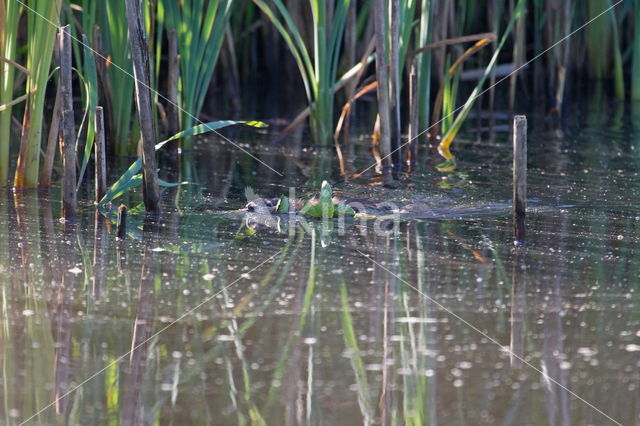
129 180
324 207
166 184
91 88
454 128
209 127
343 209
447 166
283 205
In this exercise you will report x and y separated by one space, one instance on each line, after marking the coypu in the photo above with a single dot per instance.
359 205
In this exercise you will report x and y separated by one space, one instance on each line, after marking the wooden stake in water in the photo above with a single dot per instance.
382 64
67 125
100 156
122 222
141 72
519 177
413 115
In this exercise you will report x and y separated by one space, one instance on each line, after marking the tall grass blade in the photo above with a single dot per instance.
464 112
41 38
200 28
131 179
9 16
91 80
112 18
635 67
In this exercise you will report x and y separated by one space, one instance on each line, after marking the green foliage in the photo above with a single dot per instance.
200 29
319 74
112 18
91 93
9 15
464 112
41 35
132 178
635 67
325 207
283 205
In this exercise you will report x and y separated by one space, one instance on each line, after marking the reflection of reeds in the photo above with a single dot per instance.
351 342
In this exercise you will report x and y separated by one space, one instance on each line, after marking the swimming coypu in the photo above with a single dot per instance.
340 205
359 205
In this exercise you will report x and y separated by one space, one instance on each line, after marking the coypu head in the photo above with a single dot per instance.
262 205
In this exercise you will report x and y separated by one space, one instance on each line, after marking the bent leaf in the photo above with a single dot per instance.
283 205
452 132
325 207
126 181
343 209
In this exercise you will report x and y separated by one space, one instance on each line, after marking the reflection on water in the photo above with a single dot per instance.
185 323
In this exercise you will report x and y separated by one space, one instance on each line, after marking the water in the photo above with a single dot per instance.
197 319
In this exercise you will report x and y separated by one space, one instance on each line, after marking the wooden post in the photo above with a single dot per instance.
100 155
412 151
141 72
379 11
68 134
519 177
394 88
122 222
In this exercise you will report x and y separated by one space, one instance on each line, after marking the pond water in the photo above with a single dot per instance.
198 319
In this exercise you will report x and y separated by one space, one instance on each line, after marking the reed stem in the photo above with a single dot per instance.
68 131
100 155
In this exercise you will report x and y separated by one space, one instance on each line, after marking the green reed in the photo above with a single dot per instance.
319 71
466 108
635 67
112 18
200 27
41 35
9 15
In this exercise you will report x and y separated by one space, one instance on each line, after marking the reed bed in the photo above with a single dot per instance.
321 49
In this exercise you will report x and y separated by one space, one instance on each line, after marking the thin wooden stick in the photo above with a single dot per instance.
519 177
54 133
100 155
379 11
68 133
394 86
122 222
141 71
412 151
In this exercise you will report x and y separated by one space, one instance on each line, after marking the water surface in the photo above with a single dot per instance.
198 319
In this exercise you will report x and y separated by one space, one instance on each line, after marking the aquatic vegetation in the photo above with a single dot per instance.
454 128
200 27
117 70
9 14
318 66
41 38
321 40
132 177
